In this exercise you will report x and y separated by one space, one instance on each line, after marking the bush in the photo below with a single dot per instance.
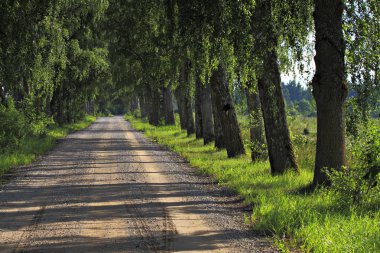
360 184
12 126
38 122
366 146
355 187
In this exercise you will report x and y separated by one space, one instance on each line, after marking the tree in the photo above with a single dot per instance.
206 113
226 112
56 61
329 88
185 97
168 105
198 109
280 149
256 130
361 33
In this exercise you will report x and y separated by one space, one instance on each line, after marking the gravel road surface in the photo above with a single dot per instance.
108 189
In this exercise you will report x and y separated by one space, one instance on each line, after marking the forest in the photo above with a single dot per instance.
205 79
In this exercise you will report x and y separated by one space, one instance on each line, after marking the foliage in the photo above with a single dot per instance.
355 189
365 147
12 126
298 99
362 33
37 122
53 64
359 184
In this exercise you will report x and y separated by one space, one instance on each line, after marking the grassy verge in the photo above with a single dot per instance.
31 147
316 222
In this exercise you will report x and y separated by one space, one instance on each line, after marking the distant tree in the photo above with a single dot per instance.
304 107
298 98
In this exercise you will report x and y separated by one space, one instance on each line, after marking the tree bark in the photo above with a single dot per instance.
226 112
161 104
134 104
187 109
143 109
168 105
218 132
198 110
329 88
280 149
190 127
57 103
206 110
2 96
153 106
181 107
148 100
258 148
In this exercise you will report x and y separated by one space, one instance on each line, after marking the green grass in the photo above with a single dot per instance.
31 147
316 222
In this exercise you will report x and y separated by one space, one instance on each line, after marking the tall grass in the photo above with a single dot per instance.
32 146
315 222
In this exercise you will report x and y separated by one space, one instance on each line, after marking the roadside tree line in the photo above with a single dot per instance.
63 58
197 51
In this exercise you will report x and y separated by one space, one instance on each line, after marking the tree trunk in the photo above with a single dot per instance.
57 104
153 106
148 100
143 109
92 107
181 107
134 104
280 149
226 112
198 110
329 88
168 105
186 98
218 132
161 104
2 96
189 114
258 148
206 110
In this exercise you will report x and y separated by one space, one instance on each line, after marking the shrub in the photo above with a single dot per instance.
360 184
355 188
38 122
12 126
366 147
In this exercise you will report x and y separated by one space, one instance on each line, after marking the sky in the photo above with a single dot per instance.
305 77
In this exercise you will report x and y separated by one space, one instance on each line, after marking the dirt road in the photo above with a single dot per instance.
108 189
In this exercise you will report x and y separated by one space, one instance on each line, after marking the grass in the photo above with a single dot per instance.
32 147
315 222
